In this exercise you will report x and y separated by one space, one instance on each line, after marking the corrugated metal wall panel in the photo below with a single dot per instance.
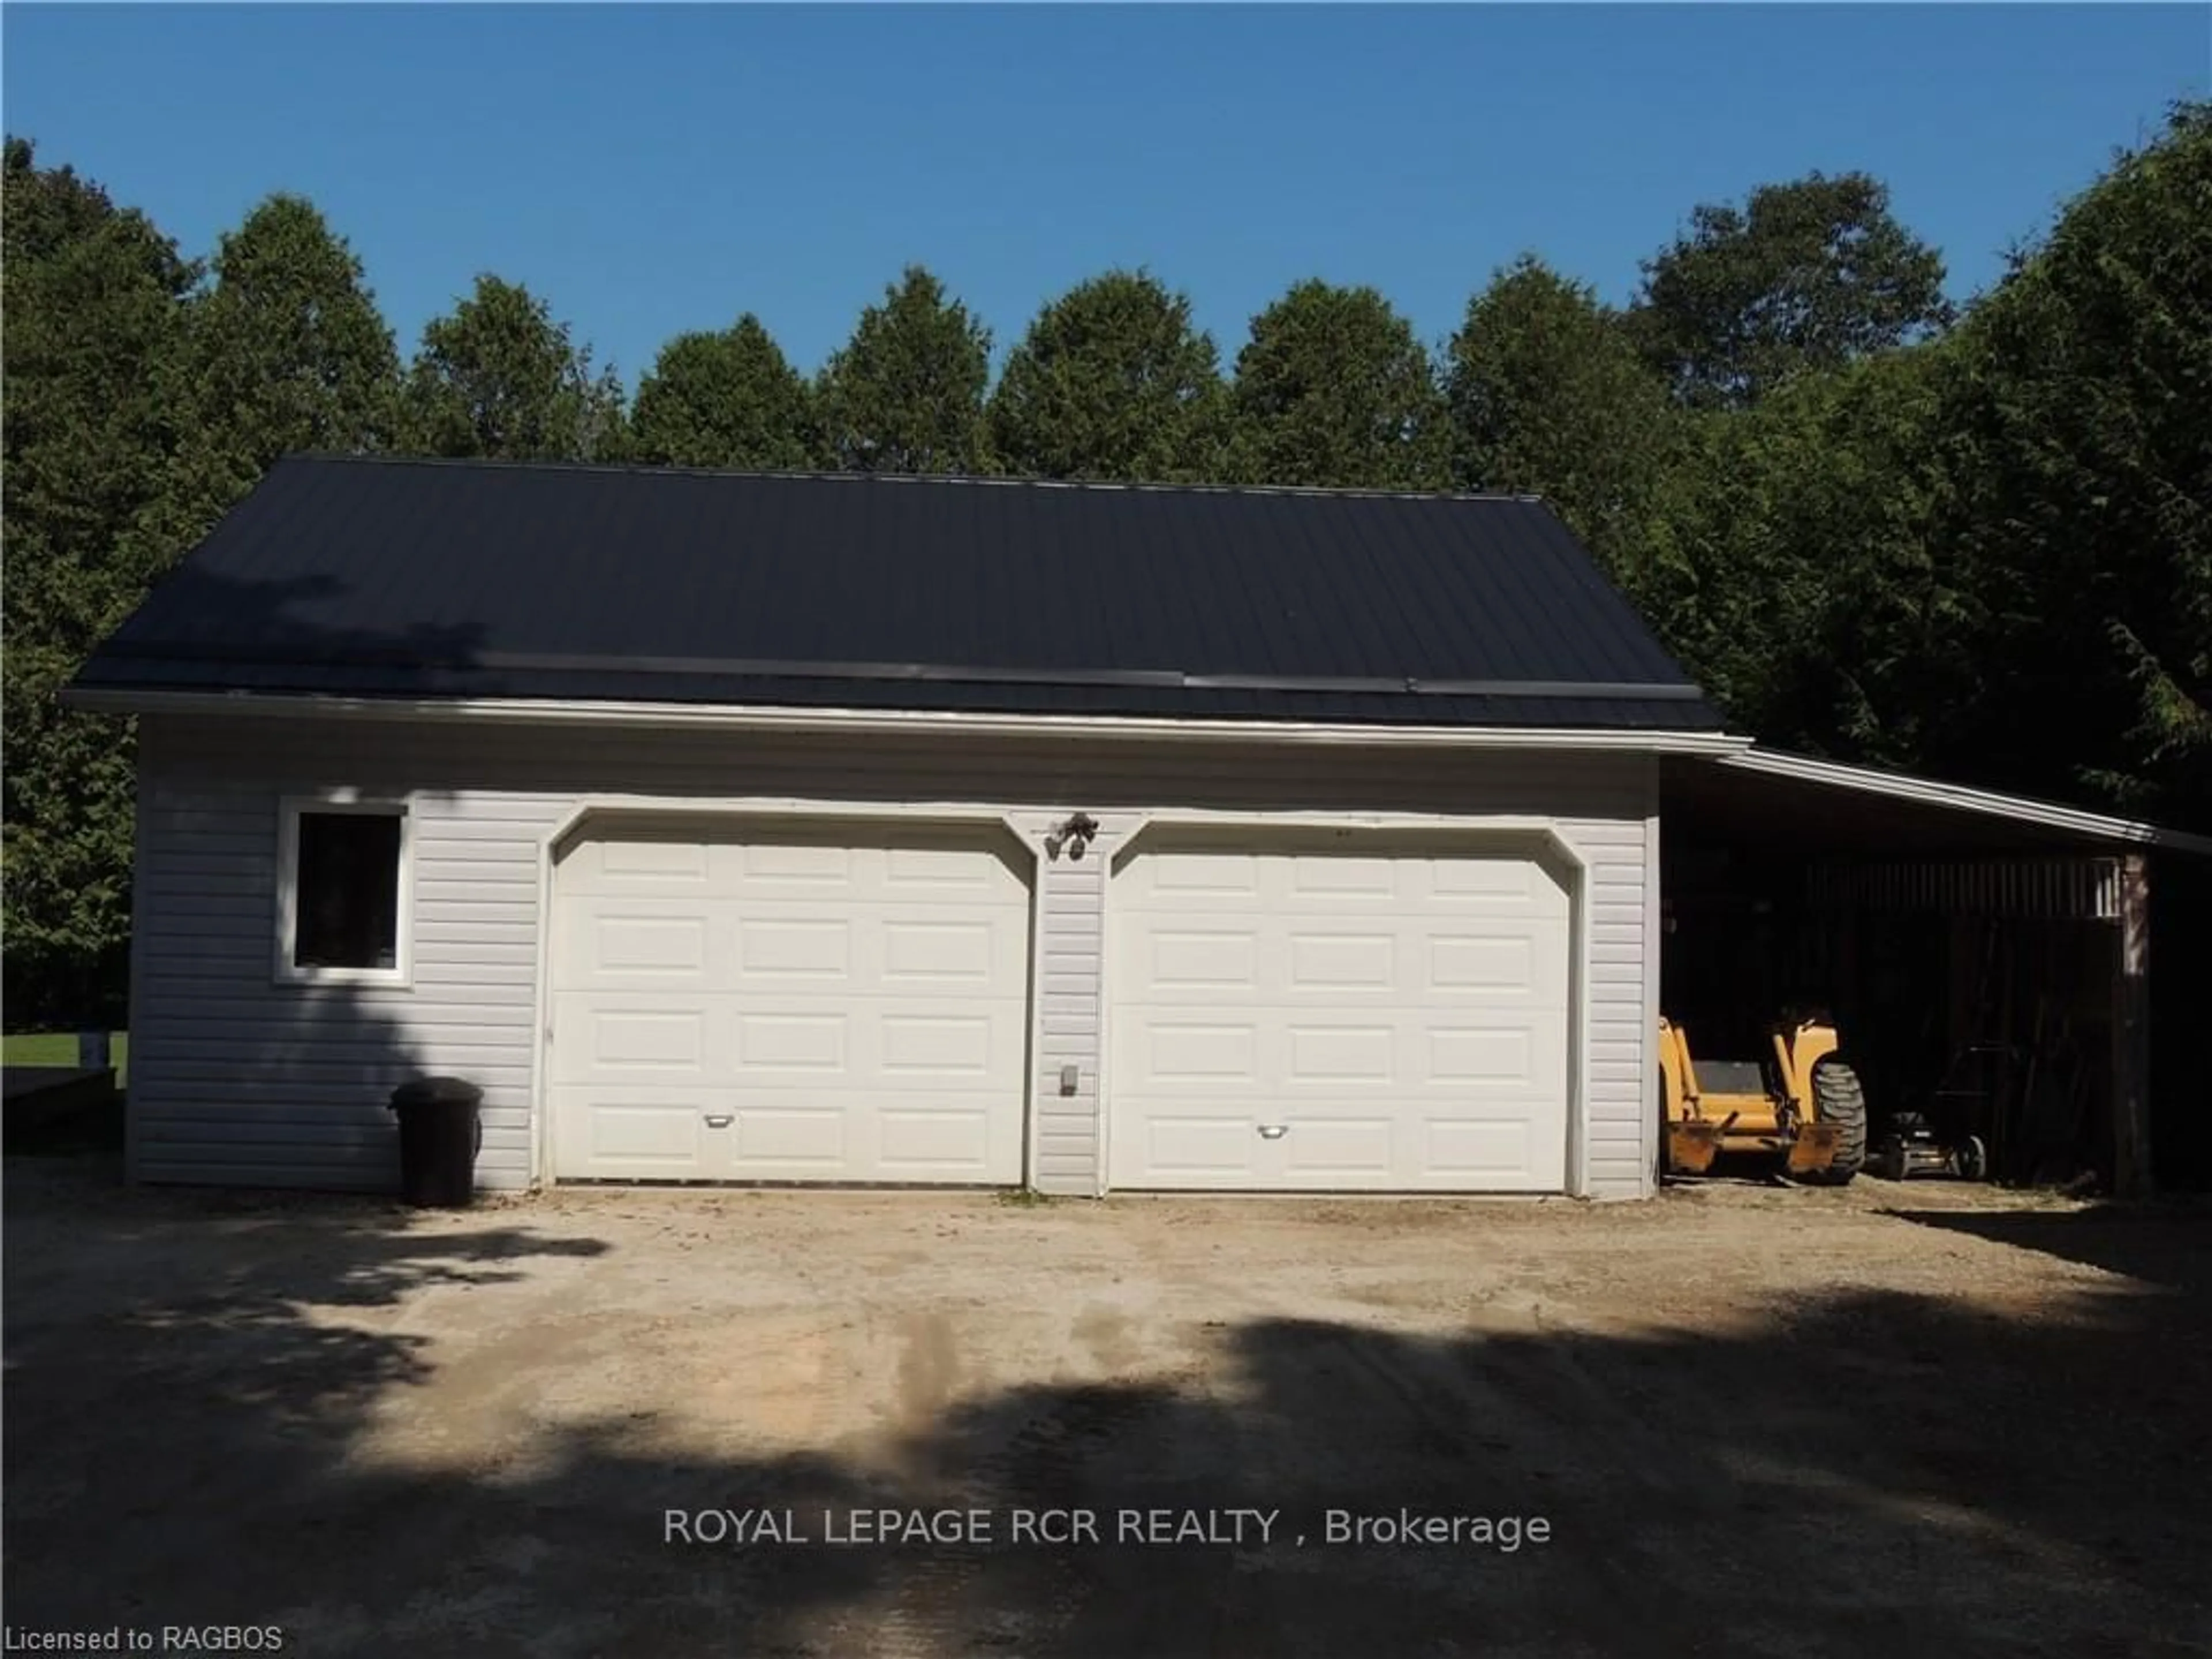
2052 889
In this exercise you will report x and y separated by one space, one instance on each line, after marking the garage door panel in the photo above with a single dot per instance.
791 1139
940 873
1498 1056
648 868
1331 1146
1481 1151
924 1143
771 1043
1316 1018
1345 960
790 1134
660 1041
1333 877
860 1041
1493 962
1219 959
1168 1053
1337 962
896 961
647 1134
651 866
1200 1147
1342 1150
937 1047
1336 1055
633 1133
1500 886
773 949
854 1010
936 955
1288 1049
771 868
626 945
1186 875
640 1037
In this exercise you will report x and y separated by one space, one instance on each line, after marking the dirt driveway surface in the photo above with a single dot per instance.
1755 1421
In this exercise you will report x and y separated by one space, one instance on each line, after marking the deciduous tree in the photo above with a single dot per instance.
1549 397
1800 564
1112 380
724 399
93 297
1805 277
2086 441
284 352
905 394
1334 389
498 378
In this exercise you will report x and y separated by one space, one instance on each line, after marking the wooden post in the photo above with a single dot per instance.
1966 988
2131 1033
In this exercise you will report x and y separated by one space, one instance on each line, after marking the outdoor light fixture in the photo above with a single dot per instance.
1074 833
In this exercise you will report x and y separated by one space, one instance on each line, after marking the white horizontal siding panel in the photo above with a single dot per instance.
455 939
1065 1157
243 1136
488 965
484 802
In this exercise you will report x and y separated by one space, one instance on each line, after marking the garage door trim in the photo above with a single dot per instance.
594 814
1539 837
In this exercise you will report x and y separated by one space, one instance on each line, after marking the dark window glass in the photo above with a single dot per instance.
346 909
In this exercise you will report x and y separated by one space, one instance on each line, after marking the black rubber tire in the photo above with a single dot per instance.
1838 1099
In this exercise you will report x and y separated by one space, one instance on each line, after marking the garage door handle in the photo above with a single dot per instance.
1273 1131
721 1120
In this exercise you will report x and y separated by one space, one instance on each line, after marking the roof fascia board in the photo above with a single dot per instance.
1925 791
526 712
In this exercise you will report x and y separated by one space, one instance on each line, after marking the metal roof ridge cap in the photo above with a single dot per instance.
646 469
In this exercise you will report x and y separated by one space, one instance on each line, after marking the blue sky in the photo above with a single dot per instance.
652 169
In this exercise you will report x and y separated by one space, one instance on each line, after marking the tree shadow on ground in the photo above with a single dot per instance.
193 1382
2165 1243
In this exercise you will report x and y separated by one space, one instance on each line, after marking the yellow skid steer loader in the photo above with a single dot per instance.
1801 1105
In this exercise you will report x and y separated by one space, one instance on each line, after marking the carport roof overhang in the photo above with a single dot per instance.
1821 807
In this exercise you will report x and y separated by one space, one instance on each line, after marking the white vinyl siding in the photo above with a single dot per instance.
235 1078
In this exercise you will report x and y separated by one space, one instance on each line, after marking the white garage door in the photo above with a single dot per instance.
1315 1014
774 1004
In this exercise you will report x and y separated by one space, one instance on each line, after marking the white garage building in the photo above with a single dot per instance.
858 829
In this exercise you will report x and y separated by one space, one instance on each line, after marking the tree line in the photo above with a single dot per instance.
1975 541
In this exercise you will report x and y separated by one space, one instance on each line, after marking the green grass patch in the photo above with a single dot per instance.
59 1049
1023 1198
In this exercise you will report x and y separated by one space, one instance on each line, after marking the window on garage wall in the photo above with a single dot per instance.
343 883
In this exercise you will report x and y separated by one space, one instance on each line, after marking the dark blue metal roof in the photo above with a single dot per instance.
374 577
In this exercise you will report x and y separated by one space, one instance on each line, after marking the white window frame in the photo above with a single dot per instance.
288 811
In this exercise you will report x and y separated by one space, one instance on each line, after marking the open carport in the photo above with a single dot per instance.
1988 958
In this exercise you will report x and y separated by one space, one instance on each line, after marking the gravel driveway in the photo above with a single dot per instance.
1736 1420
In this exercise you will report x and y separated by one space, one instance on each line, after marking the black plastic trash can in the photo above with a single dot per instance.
439 1135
